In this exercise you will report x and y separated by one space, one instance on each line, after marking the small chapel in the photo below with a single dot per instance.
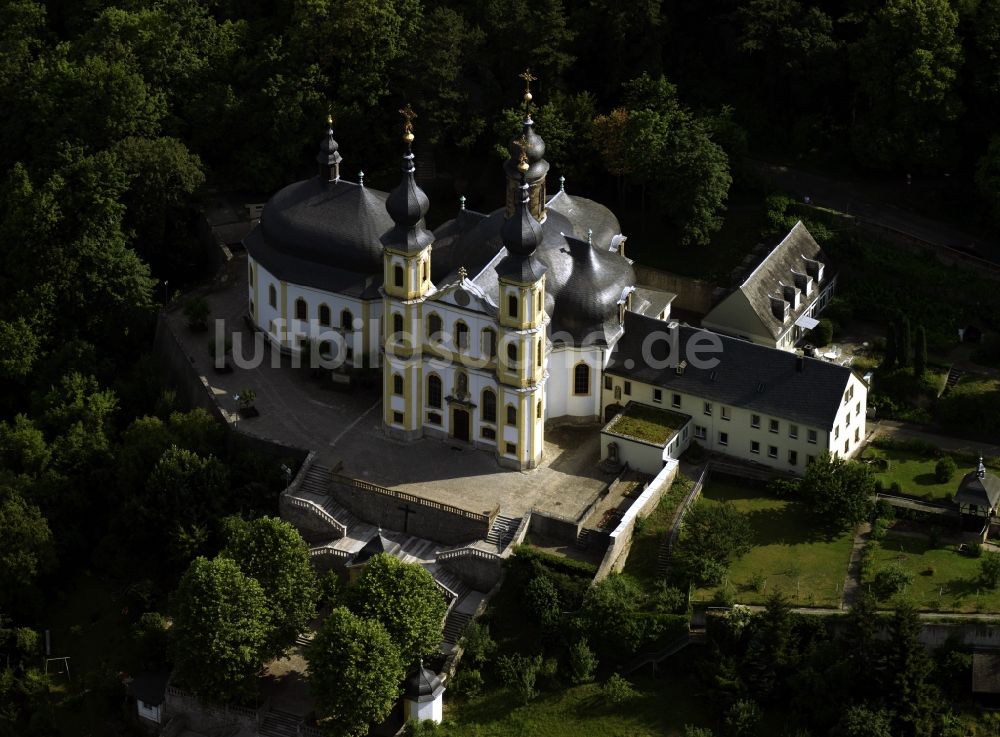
485 327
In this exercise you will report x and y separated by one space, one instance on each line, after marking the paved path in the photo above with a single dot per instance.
861 200
906 431
853 579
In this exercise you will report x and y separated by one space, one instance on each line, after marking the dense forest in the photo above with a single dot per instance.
119 117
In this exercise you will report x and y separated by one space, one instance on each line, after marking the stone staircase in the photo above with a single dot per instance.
449 580
279 724
663 556
949 383
454 625
586 538
315 492
503 531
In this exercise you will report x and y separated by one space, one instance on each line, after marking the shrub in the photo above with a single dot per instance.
669 599
890 580
582 662
989 569
518 673
467 682
879 528
822 334
895 488
196 310
742 718
944 469
975 550
782 488
479 645
617 690
758 581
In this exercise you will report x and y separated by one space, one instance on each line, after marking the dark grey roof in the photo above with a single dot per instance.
310 273
755 377
650 301
778 268
983 492
150 688
521 232
336 223
584 214
423 685
521 269
377 545
407 205
538 167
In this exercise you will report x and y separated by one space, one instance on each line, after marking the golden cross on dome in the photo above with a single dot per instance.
462 273
528 78
522 143
409 115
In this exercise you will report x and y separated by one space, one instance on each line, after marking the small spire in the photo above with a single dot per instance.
329 120
361 178
562 183
981 469
461 202
408 115
528 78
462 273
590 236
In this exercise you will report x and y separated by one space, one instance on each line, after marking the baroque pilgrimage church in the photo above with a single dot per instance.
492 324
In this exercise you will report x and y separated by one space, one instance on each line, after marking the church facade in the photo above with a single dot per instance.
485 328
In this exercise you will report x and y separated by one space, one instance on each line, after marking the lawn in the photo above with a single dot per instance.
913 470
662 706
789 554
944 580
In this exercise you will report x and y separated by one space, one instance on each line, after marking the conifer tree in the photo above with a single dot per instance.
889 360
920 352
905 342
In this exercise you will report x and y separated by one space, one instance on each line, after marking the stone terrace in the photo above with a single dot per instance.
344 427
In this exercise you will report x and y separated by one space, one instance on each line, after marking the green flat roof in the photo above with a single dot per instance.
648 424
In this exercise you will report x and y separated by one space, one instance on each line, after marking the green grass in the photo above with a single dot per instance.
646 542
789 553
649 424
944 580
914 472
662 707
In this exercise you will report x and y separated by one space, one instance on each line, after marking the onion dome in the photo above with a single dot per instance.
423 685
589 297
521 233
407 204
534 148
329 157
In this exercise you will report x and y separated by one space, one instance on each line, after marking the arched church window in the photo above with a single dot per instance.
511 414
397 326
272 296
397 384
434 327
512 305
347 320
462 335
489 406
301 309
538 410
489 343
324 315
434 391
581 379
512 354
397 275
538 353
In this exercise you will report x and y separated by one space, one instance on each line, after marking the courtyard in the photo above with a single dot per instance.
343 427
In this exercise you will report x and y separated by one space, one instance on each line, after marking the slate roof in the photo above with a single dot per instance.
332 223
778 269
983 492
377 545
150 688
423 685
755 377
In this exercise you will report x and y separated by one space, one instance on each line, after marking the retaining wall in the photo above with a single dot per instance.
482 571
693 295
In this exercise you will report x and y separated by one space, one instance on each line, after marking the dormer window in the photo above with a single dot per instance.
791 295
779 308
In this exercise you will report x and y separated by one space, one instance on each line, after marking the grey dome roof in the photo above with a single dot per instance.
407 205
423 685
521 232
336 223
584 214
587 286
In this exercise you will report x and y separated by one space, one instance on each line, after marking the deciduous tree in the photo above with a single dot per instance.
838 491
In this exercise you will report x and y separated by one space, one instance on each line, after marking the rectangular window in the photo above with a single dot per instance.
658 395
836 432
488 433
723 438
755 447
675 401
433 418
607 382
684 435
397 417
812 436
793 431
773 426
772 451
857 435
847 445
708 409
810 459
628 388
725 413
511 449
857 410
754 420
793 457
847 420
699 432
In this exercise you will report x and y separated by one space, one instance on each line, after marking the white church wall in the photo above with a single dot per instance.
560 399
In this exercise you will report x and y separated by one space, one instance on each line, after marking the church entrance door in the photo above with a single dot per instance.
460 425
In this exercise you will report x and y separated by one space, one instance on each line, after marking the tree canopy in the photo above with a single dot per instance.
838 491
